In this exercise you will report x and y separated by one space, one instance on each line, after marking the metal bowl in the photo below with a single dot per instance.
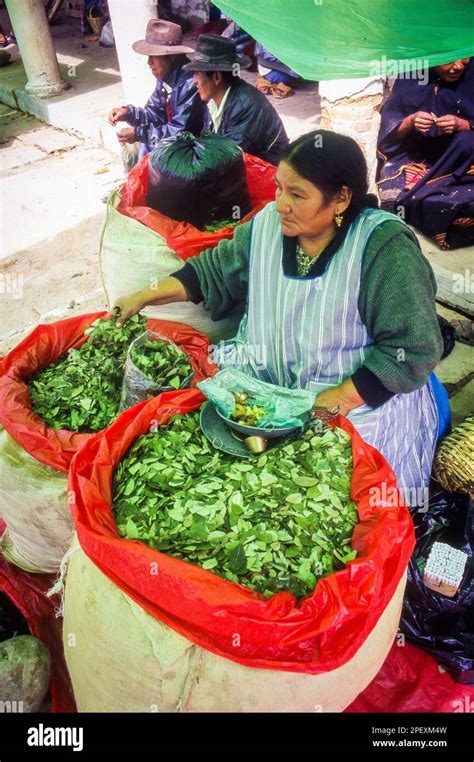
254 431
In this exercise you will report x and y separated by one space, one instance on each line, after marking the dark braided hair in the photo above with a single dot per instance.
329 161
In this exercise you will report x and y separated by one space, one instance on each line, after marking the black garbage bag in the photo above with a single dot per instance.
443 626
198 180
12 621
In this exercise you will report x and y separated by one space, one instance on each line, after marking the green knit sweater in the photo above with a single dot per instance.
396 304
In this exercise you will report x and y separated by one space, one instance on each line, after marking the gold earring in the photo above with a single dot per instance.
338 219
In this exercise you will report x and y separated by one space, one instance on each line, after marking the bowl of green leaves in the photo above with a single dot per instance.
248 416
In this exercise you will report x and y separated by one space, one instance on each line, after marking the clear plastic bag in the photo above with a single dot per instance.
284 407
107 39
137 386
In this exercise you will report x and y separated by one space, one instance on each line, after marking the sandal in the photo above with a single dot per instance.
282 91
263 85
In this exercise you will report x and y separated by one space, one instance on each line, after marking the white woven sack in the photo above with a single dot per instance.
133 257
121 659
33 503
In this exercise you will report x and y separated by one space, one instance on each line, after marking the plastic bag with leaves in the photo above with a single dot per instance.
283 407
154 364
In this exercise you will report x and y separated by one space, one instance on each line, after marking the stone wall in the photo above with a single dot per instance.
351 106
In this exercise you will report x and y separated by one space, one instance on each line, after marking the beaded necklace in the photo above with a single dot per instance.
303 262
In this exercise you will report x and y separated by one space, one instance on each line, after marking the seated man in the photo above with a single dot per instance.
235 109
426 148
175 105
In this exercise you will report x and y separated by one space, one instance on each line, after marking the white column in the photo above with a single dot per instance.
29 22
129 19
351 106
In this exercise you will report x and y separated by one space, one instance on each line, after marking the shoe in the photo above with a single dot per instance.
282 91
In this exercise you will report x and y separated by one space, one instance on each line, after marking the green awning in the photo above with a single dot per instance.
340 39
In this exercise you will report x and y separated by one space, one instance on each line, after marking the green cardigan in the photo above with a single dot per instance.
396 304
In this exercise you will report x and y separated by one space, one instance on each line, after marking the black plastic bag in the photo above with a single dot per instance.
198 180
443 626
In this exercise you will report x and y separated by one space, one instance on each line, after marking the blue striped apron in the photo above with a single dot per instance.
308 333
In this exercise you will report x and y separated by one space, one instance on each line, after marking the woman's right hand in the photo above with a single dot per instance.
422 121
165 292
117 115
129 305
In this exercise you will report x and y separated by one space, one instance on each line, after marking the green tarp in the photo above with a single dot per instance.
340 39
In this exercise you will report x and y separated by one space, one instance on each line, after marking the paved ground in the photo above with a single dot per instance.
52 213
51 181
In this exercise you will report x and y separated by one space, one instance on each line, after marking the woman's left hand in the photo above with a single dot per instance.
341 399
450 123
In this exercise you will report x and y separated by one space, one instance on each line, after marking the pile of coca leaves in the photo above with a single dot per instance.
279 521
81 390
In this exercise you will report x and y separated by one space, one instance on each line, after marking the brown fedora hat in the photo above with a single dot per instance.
162 38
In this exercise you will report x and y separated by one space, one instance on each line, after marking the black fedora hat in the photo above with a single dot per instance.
215 53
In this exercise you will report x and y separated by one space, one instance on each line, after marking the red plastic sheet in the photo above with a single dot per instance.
28 593
412 681
321 633
182 237
44 345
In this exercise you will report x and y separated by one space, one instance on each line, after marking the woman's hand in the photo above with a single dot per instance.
450 123
117 115
340 399
422 121
129 306
166 291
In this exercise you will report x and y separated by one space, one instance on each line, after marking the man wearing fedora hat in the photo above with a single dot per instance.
235 109
175 104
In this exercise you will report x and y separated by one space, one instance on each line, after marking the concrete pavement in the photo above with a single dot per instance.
52 184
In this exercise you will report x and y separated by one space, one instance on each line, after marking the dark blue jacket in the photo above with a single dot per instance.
163 115
251 120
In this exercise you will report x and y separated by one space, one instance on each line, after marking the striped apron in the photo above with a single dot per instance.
308 333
